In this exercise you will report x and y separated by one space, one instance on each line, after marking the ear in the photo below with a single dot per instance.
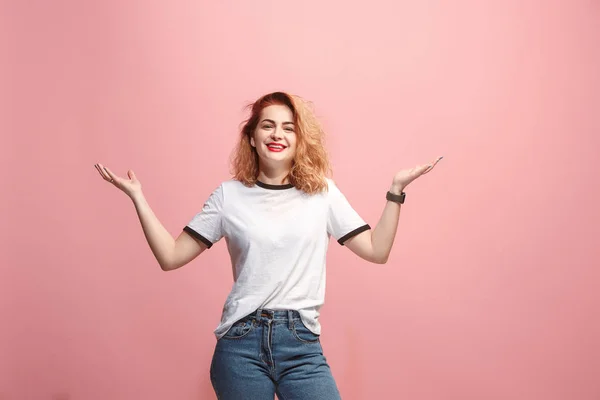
252 142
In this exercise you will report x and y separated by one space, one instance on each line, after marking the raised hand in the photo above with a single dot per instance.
130 187
403 178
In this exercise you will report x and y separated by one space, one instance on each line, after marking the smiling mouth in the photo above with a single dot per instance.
276 147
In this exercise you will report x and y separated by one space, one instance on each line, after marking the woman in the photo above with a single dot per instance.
277 215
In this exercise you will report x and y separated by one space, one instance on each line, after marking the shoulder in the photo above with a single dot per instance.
233 189
332 187
330 181
219 191
232 185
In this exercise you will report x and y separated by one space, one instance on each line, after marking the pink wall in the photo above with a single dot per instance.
492 288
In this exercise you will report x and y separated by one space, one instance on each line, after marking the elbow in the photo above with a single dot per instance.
167 266
383 259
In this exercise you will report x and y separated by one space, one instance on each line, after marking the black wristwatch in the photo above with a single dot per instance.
395 197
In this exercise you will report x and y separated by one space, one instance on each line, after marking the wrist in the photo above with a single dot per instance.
397 189
137 197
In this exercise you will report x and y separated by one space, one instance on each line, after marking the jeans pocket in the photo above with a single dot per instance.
303 334
240 329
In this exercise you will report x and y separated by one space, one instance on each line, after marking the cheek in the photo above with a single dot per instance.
258 137
255 138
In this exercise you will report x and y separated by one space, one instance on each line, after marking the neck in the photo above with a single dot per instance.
273 176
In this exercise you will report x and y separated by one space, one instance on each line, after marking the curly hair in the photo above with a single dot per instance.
310 166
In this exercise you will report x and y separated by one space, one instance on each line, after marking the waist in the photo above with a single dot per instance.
273 315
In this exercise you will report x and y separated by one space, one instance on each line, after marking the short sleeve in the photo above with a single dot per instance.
206 225
343 222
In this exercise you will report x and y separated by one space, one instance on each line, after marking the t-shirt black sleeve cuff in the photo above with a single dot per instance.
198 236
355 232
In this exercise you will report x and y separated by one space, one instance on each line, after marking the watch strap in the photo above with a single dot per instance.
396 198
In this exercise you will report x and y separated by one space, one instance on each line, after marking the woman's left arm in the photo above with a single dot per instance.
375 246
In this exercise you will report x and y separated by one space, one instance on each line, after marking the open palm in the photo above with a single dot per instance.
130 185
406 176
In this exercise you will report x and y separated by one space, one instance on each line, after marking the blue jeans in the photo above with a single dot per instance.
271 352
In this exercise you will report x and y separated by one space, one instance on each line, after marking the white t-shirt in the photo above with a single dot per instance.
277 237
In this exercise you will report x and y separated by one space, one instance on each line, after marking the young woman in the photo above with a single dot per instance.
277 215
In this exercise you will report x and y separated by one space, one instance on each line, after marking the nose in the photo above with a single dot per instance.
277 133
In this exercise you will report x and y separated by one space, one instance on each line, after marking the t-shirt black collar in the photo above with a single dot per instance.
274 187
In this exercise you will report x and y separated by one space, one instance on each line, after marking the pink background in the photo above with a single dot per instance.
492 287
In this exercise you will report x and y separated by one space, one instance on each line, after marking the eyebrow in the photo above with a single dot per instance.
273 122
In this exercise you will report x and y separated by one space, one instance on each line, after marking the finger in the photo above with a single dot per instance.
432 165
112 177
423 169
108 175
101 172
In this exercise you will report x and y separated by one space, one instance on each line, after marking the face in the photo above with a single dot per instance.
275 136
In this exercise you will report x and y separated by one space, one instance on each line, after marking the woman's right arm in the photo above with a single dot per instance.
170 253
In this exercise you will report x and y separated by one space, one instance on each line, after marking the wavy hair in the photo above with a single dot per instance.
310 166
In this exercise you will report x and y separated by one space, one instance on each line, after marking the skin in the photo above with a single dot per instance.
275 126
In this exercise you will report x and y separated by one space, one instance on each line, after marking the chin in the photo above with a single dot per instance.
275 160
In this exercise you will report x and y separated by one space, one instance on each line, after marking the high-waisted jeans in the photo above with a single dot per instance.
271 352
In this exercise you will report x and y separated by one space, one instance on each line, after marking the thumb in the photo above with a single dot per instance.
131 175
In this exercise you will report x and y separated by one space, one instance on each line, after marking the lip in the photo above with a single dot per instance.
276 150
